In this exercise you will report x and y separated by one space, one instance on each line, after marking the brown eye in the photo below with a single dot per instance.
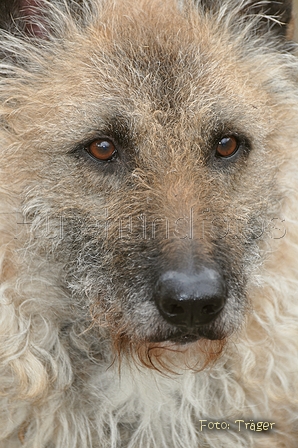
227 146
102 149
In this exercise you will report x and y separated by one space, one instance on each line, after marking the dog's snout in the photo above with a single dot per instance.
190 300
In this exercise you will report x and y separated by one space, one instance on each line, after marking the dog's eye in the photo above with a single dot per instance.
227 146
102 149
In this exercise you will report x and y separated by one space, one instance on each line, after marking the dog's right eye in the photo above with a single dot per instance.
102 149
227 146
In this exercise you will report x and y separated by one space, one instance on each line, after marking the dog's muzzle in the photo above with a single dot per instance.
190 301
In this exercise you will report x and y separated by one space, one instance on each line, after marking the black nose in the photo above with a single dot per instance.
190 300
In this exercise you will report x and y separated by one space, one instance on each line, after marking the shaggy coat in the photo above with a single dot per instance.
86 359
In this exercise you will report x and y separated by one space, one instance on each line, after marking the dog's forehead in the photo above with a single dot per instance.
176 97
174 68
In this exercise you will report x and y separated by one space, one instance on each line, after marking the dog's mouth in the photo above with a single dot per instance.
192 349
182 337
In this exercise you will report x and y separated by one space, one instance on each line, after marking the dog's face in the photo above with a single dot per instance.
147 141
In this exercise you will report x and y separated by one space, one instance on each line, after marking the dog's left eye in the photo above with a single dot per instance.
102 149
227 146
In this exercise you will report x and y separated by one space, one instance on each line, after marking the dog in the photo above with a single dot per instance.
149 238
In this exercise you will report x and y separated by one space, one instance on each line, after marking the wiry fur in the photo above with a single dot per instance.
78 367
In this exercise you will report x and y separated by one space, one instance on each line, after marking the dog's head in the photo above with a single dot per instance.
142 138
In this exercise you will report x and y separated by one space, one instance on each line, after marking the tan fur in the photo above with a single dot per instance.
82 244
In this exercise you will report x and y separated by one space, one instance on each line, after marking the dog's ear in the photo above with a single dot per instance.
273 16
34 17
26 16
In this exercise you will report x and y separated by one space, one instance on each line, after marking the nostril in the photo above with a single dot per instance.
169 304
211 309
176 309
